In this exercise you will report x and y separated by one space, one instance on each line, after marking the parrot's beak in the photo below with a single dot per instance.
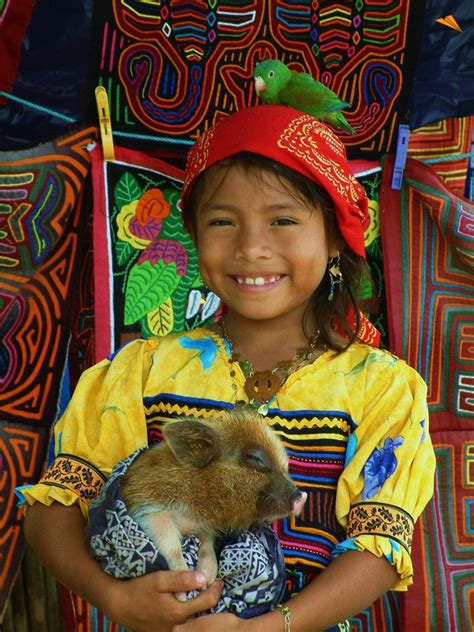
260 85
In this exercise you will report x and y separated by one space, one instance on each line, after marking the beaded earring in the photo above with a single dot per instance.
335 274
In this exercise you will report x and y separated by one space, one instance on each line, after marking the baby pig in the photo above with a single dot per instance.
217 475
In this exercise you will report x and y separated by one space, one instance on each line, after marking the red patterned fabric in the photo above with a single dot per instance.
14 20
80 616
427 235
448 139
296 140
441 597
41 255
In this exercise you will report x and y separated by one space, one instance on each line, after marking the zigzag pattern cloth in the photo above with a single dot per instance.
427 236
41 253
146 270
171 69
449 139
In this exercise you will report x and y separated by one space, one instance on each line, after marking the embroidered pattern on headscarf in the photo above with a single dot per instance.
198 156
297 141
300 138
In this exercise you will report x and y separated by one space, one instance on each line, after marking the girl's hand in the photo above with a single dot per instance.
225 622
148 603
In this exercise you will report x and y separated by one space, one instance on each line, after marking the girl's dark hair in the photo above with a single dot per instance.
352 266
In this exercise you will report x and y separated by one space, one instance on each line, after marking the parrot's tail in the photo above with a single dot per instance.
339 121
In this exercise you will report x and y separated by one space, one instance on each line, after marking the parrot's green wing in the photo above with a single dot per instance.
310 95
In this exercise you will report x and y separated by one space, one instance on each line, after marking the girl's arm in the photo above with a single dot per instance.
143 604
351 583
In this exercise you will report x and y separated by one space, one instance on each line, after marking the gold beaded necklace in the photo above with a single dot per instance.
261 387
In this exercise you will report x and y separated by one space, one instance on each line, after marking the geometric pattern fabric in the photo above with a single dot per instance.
42 246
427 236
171 69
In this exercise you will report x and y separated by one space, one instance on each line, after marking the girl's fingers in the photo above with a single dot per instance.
150 598
171 582
204 601
178 581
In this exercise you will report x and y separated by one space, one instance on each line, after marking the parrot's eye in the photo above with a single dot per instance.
271 74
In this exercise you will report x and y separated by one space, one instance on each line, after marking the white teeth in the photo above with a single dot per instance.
256 280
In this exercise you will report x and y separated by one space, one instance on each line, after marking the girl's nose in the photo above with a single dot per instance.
252 243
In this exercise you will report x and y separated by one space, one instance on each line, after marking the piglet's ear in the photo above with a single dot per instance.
192 442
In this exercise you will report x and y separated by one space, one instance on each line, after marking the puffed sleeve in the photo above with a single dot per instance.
389 469
103 423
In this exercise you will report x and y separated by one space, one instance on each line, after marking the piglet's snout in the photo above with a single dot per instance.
281 498
297 501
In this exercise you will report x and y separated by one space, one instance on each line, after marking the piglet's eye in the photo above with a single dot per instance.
256 459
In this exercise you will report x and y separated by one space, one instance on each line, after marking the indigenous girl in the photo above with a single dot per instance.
278 219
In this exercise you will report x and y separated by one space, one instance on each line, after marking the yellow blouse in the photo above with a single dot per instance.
355 426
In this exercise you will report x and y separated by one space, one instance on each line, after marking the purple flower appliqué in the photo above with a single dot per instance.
380 465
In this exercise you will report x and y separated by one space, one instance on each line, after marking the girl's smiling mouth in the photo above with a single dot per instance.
259 281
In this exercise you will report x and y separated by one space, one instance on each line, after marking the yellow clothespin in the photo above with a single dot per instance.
105 123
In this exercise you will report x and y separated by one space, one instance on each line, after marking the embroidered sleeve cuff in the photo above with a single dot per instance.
75 475
381 520
384 530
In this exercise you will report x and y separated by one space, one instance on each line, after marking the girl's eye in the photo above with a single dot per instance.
284 221
220 222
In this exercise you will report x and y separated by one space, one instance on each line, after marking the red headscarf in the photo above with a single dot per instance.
296 140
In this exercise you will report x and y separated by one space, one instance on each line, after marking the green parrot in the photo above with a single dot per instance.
276 83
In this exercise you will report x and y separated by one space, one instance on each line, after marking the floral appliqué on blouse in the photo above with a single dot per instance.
380 465
206 346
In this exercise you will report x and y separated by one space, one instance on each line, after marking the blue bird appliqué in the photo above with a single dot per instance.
206 346
380 465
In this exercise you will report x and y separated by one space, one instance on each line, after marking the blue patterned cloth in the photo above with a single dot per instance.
251 563
380 466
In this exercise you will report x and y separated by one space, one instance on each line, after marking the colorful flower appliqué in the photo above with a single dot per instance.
380 465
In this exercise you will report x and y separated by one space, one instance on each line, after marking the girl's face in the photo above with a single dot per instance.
261 247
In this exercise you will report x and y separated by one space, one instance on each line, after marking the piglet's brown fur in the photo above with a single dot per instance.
217 475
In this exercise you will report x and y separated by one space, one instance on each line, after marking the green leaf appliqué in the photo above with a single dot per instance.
147 287
127 190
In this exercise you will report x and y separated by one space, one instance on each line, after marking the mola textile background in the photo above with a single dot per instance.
42 258
427 236
170 69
